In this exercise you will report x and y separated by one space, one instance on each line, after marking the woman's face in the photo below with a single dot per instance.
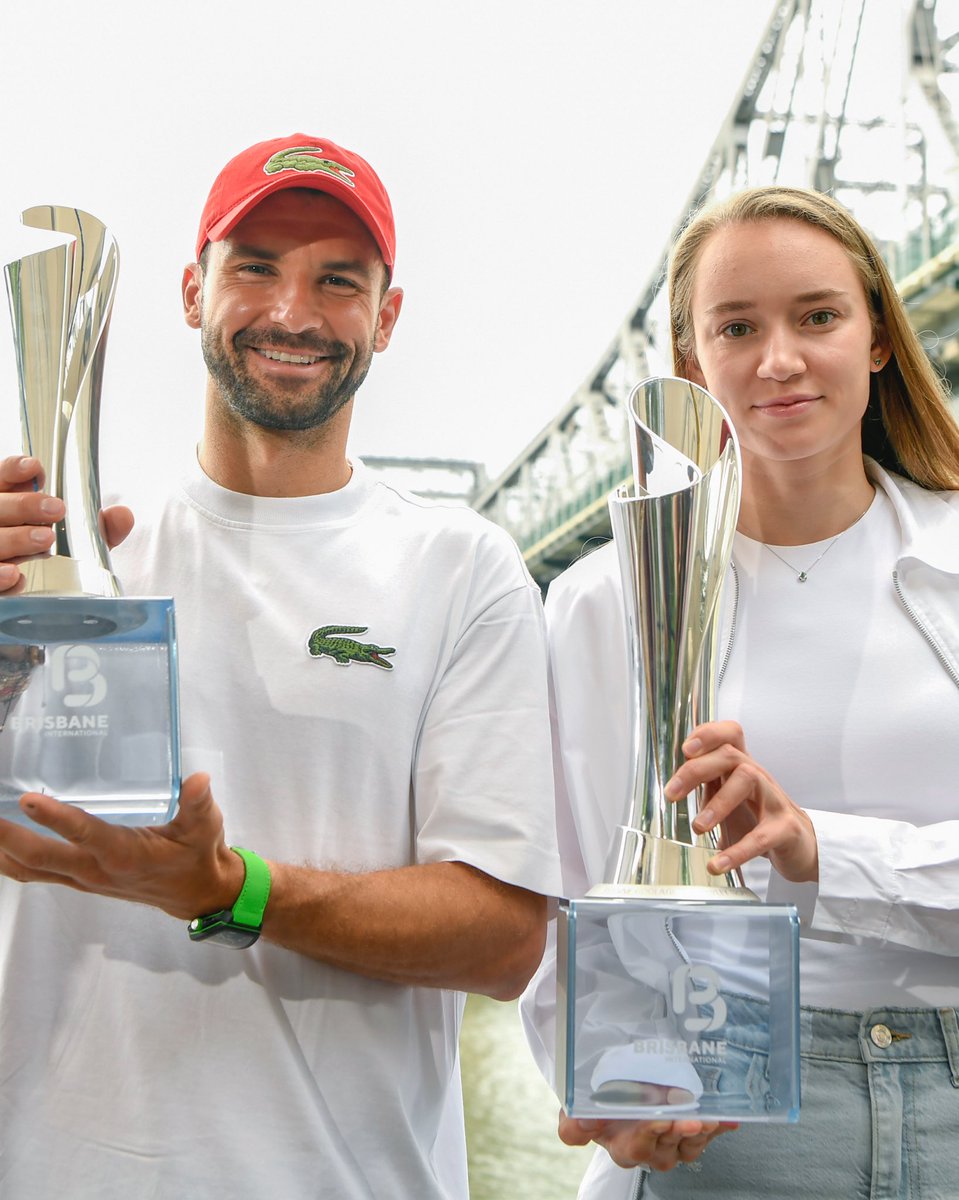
783 339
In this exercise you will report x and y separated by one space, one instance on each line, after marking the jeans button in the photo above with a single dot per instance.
880 1036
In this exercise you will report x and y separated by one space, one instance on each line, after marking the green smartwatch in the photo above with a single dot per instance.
238 926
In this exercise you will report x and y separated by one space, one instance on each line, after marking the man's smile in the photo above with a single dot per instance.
283 357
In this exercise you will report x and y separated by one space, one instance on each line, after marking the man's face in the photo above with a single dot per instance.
291 307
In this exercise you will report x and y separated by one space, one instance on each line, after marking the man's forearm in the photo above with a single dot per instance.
443 925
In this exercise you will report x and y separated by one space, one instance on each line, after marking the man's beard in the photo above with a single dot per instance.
272 406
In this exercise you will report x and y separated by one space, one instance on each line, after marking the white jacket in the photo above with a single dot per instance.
882 879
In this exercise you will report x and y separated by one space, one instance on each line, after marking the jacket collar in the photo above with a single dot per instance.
929 520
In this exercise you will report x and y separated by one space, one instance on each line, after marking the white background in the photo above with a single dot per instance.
537 153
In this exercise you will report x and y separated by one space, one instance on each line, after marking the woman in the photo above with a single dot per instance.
835 767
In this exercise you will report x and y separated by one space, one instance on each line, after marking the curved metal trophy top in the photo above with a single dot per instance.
674 535
60 304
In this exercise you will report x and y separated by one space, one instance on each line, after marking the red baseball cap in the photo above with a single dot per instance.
298 161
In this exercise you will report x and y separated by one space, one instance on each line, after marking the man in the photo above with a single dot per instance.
398 794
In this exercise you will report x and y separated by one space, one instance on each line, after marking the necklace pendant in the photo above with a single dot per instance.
801 577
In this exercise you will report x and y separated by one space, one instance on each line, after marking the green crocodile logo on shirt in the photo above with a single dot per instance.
305 158
344 650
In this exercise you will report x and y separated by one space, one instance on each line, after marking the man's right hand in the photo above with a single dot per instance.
27 516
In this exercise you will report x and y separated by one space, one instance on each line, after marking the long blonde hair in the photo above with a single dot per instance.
907 427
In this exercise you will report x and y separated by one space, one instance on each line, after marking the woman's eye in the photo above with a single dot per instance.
821 318
736 329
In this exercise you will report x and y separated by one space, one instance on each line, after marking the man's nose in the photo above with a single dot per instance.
295 304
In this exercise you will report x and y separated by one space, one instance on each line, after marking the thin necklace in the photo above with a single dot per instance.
802 576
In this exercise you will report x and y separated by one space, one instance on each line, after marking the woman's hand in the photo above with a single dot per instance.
756 815
657 1144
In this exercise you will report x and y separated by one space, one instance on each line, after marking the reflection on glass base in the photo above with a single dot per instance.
88 706
678 1007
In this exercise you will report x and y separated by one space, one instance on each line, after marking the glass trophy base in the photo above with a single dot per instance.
678 1008
89 707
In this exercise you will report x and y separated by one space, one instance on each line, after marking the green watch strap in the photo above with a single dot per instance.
251 902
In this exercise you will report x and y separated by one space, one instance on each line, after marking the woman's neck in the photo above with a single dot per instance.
795 504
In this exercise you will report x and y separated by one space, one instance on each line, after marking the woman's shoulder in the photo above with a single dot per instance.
596 571
913 494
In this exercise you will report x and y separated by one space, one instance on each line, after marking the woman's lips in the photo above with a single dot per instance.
781 406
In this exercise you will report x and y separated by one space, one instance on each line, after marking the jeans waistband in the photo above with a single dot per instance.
876 1035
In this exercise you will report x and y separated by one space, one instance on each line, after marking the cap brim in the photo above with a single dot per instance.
315 183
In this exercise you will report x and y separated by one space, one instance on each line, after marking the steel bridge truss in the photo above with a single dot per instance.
852 97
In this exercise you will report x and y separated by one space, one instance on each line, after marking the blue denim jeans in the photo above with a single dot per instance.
879 1120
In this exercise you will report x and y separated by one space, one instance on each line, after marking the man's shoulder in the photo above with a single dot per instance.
447 521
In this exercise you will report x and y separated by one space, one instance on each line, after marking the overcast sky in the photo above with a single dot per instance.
536 151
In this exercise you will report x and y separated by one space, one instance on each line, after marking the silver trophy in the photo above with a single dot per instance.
648 960
674 540
88 698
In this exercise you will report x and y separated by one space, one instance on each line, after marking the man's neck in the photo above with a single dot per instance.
254 461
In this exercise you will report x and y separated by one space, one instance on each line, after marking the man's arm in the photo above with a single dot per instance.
442 924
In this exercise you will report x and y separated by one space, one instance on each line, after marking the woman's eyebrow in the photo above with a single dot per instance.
726 306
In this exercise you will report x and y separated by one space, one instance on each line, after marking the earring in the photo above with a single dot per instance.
877 361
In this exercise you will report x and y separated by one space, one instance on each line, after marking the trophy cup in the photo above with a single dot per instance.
653 1017
88 684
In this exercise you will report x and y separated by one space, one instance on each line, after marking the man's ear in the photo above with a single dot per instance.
389 314
192 288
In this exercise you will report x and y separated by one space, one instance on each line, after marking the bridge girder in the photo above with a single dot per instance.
804 115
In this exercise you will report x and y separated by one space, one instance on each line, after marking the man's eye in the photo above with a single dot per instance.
339 281
254 269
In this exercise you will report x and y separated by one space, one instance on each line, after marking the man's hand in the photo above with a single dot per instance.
443 924
756 815
27 515
657 1144
184 868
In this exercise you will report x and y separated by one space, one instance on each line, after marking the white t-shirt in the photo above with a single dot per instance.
134 1063
843 702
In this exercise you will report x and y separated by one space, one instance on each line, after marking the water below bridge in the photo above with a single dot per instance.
514 1153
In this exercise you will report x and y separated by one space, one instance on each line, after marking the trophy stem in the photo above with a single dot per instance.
60 302
674 540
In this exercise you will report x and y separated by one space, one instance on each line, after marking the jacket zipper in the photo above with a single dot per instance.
732 626
911 613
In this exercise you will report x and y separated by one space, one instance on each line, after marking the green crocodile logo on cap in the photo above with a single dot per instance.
344 650
305 158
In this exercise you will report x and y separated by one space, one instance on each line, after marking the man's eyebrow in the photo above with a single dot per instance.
727 306
354 265
248 250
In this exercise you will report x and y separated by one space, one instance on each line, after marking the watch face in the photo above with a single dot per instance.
219 929
233 935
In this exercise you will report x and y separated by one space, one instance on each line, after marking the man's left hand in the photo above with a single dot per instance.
184 867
